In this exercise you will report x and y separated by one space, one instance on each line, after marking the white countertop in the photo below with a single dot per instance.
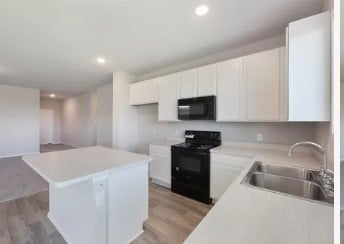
245 215
67 167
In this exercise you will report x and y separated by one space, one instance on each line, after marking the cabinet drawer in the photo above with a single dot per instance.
225 160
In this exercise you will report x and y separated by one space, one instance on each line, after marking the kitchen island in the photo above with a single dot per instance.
97 195
248 215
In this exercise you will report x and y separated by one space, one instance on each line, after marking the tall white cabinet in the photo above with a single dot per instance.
309 68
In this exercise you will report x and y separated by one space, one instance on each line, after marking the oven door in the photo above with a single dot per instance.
199 108
191 168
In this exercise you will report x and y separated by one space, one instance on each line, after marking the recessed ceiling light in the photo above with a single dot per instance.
201 10
52 95
101 60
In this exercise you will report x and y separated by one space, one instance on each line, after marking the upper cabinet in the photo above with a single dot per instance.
309 68
168 97
144 92
231 91
262 81
206 81
135 93
188 83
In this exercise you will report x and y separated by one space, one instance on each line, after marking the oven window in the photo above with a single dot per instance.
190 164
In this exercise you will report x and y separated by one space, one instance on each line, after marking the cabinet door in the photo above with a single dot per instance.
168 97
309 63
188 83
230 91
160 169
262 78
224 170
135 93
206 80
150 91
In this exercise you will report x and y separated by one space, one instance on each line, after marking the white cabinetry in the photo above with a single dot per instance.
309 68
144 92
188 83
262 78
160 167
230 92
135 93
224 170
168 97
206 81
150 91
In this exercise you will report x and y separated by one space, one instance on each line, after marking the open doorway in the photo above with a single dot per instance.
46 126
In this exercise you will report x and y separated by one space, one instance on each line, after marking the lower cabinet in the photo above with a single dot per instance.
160 167
224 169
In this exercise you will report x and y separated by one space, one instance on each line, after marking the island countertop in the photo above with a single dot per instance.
248 215
63 168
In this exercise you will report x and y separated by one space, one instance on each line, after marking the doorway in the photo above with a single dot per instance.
47 126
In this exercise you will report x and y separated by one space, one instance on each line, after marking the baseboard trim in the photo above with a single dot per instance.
18 155
137 235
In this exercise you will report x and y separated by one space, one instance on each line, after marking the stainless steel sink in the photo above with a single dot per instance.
287 171
293 181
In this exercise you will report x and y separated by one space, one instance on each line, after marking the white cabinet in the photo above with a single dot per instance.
309 68
206 81
168 97
144 92
224 170
230 91
160 167
188 83
262 81
150 91
135 93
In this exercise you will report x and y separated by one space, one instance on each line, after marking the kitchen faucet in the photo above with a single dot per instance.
325 176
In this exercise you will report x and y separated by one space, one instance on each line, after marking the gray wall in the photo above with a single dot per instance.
79 120
104 116
19 120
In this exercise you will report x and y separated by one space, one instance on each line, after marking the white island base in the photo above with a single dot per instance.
104 207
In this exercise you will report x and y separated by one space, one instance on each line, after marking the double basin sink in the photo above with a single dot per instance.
294 181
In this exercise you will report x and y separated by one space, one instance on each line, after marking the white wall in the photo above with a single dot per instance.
125 122
19 120
79 120
104 115
151 130
55 106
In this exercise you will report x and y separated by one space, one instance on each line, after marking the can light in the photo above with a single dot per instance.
202 10
101 60
52 95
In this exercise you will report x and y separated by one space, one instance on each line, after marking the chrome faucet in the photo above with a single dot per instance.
325 176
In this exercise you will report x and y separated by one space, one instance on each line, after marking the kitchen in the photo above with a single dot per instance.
211 131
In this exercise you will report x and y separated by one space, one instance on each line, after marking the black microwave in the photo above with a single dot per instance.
198 108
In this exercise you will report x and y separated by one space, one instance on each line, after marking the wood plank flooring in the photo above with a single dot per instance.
171 219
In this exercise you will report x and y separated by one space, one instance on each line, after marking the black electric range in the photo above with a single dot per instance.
191 164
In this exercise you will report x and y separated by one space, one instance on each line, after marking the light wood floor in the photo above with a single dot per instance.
171 219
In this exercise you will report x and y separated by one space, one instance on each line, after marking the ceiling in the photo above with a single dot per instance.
53 45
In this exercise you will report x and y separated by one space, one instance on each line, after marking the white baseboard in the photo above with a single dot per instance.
133 238
18 155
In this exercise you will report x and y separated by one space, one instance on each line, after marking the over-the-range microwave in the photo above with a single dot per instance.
197 108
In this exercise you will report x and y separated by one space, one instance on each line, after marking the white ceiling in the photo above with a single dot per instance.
52 44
